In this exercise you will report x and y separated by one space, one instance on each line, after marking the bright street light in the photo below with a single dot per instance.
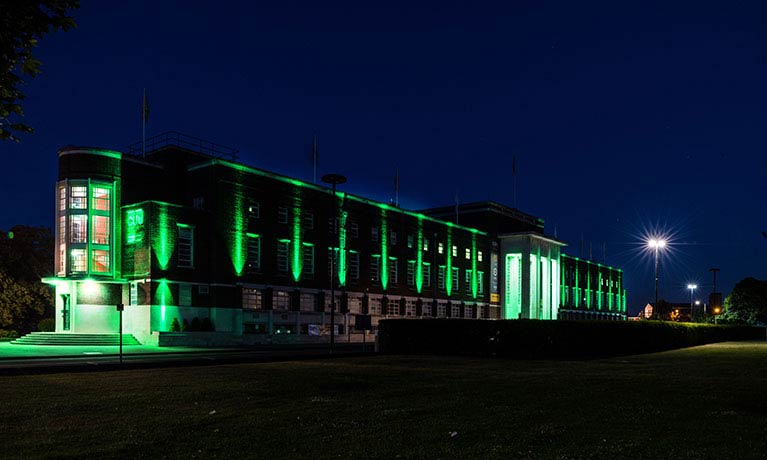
656 245
692 288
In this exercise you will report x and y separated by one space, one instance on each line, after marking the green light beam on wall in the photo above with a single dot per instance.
164 240
164 298
449 262
237 235
384 250
419 257
474 286
297 250
342 249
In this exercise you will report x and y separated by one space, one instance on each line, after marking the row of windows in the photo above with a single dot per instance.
78 198
78 229
307 220
99 261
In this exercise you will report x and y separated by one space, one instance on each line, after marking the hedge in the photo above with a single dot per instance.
549 339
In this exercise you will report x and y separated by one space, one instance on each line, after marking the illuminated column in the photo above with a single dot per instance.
545 289
533 296
555 288
449 263
474 265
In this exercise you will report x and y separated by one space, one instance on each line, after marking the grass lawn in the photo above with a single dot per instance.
703 402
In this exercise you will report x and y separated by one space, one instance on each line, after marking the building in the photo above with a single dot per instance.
185 235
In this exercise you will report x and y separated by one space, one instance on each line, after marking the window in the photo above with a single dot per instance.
410 241
282 215
468 254
79 197
480 283
411 272
479 256
425 245
203 289
426 274
100 261
78 262
456 277
373 233
251 298
332 225
185 246
198 202
440 248
467 282
308 221
354 230
185 295
393 279
375 266
100 233
100 198
393 239
455 251
62 199
354 265
283 251
308 259
253 264
78 228
332 262
254 210
62 229
133 300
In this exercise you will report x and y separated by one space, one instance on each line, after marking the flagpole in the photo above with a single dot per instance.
314 156
396 188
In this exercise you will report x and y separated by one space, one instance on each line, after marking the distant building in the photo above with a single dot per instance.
187 233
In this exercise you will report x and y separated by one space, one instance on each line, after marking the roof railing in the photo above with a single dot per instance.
177 139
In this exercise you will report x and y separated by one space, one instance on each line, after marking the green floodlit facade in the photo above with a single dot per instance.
179 236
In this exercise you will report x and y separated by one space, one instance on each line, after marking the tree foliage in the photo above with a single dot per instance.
22 25
747 303
25 257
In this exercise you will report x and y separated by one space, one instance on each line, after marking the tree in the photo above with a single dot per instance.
22 25
747 303
26 255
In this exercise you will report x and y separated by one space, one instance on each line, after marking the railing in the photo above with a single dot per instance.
175 138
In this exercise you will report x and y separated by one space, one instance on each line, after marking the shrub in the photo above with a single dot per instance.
549 339
195 326
46 325
207 325
8 334
175 326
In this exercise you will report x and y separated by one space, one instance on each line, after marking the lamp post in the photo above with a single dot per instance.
692 288
333 179
656 245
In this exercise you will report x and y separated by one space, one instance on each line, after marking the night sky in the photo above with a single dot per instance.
625 120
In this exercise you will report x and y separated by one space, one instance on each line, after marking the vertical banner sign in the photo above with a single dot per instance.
494 296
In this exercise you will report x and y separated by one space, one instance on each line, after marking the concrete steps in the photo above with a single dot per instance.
75 340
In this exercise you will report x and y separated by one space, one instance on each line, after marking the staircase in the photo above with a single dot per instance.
76 340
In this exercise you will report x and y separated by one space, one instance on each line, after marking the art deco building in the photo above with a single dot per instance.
184 234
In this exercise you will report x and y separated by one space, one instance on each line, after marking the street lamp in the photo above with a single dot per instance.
656 245
692 288
333 179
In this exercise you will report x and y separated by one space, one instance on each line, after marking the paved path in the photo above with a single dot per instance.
28 359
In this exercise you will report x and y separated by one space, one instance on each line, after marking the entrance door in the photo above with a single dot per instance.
65 312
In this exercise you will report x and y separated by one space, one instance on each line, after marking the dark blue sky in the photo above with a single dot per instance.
624 118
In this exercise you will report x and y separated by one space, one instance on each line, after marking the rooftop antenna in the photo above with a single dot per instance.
396 188
314 156
144 120
456 207
714 271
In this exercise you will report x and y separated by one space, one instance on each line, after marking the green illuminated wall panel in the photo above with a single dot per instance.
512 306
384 269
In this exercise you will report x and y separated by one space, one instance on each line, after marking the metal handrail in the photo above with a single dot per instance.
175 138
